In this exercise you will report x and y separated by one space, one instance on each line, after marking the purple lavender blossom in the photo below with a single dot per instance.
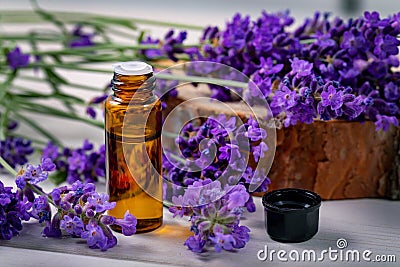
13 211
127 224
259 151
392 91
95 236
81 39
383 122
332 98
171 44
48 165
222 241
180 207
152 53
35 174
50 151
73 226
15 150
215 215
79 209
301 68
254 131
241 236
99 99
16 59
195 243
100 202
91 112
81 164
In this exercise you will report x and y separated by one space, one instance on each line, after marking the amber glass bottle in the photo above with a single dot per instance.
133 145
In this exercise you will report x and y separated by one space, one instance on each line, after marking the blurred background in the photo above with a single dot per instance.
215 12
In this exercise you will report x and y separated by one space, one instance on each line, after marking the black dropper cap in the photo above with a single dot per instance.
291 214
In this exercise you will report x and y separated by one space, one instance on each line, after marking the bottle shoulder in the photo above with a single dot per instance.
113 101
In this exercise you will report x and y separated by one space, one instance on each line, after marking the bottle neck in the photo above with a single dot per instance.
138 88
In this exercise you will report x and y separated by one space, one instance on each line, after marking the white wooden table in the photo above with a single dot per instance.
371 224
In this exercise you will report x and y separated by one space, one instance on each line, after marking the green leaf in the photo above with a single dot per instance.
38 128
43 109
141 36
116 21
53 77
4 124
49 17
6 85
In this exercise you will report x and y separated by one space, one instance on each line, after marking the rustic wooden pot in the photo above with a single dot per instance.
336 159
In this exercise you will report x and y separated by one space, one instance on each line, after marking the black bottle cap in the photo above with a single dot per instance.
291 214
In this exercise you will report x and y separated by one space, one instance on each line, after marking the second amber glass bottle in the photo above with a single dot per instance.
133 145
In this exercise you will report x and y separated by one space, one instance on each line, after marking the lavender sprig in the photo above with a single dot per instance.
216 150
80 210
225 154
83 164
215 214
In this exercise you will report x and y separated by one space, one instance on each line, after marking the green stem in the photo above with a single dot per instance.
98 47
38 128
7 167
184 78
24 16
38 191
14 37
46 110
69 84
61 96
37 141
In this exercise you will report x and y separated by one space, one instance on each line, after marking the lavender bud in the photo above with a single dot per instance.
65 205
89 213
107 220
78 209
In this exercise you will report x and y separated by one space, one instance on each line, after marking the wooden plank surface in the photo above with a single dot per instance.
366 224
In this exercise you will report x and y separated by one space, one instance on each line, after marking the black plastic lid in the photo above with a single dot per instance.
291 214
291 200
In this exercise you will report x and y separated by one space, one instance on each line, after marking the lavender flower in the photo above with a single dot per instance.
35 174
74 226
171 44
291 66
215 214
384 122
79 208
100 202
222 241
127 224
15 150
220 156
13 210
195 243
81 39
95 236
151 53
81 164
16 59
